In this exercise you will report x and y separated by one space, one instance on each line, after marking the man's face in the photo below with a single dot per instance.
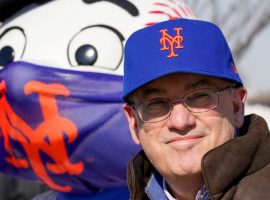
176 145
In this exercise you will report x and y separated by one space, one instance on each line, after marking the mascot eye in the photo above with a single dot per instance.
97 46
6 55
12 45
86 55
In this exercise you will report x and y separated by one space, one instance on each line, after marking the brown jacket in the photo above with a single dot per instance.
238 169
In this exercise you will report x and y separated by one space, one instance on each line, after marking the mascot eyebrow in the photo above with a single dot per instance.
9 7
127 5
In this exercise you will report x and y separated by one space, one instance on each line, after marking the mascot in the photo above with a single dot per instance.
61 119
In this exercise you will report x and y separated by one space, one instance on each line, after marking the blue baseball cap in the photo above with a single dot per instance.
176 46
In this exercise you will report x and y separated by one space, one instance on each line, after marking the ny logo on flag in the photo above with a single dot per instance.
48 137
169 42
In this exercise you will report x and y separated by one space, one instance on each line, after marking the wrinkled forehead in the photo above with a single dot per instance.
177 84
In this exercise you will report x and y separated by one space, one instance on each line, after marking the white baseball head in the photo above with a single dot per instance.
84 35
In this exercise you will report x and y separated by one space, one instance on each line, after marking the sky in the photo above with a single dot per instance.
255 68
255 64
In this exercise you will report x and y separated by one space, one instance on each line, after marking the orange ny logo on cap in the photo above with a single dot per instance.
169 42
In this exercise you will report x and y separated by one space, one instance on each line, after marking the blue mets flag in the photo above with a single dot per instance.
65 128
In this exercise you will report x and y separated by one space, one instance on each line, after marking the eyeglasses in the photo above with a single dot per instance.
196 101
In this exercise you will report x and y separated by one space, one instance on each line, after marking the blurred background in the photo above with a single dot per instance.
246 25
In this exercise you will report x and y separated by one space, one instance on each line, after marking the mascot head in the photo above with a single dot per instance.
61 119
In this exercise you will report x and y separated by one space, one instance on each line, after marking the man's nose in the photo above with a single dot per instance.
181 118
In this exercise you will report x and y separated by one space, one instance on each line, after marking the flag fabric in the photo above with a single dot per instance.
62 127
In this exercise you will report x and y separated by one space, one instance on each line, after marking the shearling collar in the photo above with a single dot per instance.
224 166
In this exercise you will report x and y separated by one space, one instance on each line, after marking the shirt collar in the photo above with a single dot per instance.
167 193
201 195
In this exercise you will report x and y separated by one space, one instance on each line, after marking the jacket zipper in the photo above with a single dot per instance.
148 195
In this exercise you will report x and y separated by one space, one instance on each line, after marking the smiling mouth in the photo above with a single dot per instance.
184 139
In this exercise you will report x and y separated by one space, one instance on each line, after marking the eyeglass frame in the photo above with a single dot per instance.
172 103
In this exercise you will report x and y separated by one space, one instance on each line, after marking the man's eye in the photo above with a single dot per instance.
199 99
199 95
157 106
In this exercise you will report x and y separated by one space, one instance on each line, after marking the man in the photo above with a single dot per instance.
185 106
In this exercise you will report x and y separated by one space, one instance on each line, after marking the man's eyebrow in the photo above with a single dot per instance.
147 92
198 84
125 4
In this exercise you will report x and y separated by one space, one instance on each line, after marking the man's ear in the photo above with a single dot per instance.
240 96
132 122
